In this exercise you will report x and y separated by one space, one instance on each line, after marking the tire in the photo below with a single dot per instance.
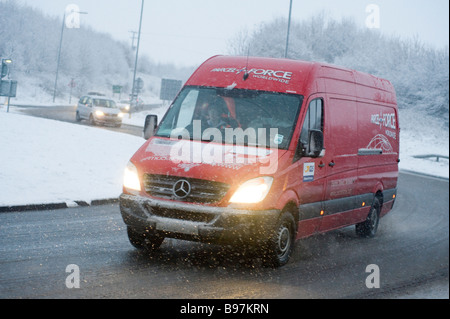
91 120
369 227
77 117
279 247
144 240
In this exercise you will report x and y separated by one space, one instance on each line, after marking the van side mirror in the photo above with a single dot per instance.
315 143
151 122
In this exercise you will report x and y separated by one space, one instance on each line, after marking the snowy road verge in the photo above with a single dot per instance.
49 162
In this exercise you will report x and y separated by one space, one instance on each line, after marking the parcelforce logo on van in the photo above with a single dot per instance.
281 76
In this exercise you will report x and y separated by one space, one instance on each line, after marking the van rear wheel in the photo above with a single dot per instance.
369 227
279 247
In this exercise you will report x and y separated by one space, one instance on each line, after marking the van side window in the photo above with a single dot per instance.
313 121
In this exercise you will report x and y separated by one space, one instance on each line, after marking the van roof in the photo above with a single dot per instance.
283 75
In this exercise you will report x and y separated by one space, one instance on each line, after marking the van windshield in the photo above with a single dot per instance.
232 116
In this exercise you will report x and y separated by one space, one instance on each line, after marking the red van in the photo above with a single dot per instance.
265 151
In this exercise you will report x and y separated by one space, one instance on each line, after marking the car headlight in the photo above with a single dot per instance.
120 115
99 113
131 178
252 191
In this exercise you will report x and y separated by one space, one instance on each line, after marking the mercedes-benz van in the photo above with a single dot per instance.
265 151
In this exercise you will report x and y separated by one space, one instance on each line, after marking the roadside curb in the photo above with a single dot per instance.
54 206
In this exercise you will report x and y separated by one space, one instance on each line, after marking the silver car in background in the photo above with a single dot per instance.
99 110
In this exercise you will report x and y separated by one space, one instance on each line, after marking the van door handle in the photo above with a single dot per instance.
331 164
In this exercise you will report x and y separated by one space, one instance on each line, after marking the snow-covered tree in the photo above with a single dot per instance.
94 60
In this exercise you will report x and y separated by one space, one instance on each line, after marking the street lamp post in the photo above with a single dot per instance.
288 31
59 51
133 90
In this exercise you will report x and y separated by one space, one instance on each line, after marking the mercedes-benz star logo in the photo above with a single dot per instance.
181 189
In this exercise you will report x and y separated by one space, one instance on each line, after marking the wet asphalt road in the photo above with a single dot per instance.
411 249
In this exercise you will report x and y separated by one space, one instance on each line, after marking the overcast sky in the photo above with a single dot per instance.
186 32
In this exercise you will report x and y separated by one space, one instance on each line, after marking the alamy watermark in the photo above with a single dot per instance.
373 17
228 146
73 279
373 279
72 17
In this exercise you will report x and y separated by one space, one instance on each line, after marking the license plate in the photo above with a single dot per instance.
178 227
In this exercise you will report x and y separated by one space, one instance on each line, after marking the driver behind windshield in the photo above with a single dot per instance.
215 118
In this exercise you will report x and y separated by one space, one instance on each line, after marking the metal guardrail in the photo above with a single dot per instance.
438 157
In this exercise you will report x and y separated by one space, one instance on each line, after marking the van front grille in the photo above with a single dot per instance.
200 190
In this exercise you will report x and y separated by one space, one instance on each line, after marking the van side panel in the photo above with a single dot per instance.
378 137
378 147
341 163
361 137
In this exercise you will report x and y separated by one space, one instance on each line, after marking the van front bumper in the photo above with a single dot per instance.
197 222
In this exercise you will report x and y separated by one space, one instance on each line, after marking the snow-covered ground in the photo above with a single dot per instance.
46 161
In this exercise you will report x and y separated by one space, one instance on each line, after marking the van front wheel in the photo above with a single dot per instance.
279 246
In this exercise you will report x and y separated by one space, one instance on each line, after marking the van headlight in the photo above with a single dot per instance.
131 178
99 113
252 191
